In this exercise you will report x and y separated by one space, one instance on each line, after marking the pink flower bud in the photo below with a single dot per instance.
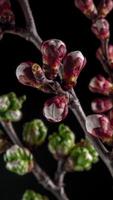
73 63
100 85
7 18
31 74
99 126
101 105
104 8
87 7
100 56
56 108
53 51
101 29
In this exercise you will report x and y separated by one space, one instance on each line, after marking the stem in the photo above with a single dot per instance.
81 117
30 23
37 171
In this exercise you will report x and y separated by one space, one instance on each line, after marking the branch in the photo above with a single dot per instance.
30 24
37 171
81 117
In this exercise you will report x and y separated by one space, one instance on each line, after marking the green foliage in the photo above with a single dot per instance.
18 160
34 132
31 195
10 106
62 142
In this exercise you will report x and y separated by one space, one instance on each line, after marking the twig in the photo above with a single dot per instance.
81 117
31 30
37 171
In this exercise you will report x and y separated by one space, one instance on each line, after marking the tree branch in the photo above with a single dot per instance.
30 23
81 117
37 171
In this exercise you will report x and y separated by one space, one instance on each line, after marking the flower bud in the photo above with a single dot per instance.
12 115
100 56
18 160
99 126
104 8
87 7
7 18
101 105
62 142
34 132
4 103
16 103
101 29
53 51
31 195
24 74
81 157
101 85
31 74
73 63
56 108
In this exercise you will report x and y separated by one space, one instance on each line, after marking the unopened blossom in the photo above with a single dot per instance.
101 105
81 157
99 84
31 195
7 18
62 142
101 29
99 126
4 103
56 108
73 64
87 7
53 51
34 132
104 8
31 74
19 160
100 55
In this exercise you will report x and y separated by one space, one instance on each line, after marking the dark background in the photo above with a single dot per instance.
54 19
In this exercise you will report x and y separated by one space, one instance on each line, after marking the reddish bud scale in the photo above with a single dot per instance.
87 7
56 108
100 56
53 51
73 63
101 29
99 126
101 105
104 8
101 85
31 74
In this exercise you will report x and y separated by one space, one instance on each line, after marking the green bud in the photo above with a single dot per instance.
34 132
12 115
19 160
81 157
4 103
15 102
31 195
62 142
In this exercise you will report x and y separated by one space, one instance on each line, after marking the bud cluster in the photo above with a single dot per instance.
31 195
10 106
78 156
19 160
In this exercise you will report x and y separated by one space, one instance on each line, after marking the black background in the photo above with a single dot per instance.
54 19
